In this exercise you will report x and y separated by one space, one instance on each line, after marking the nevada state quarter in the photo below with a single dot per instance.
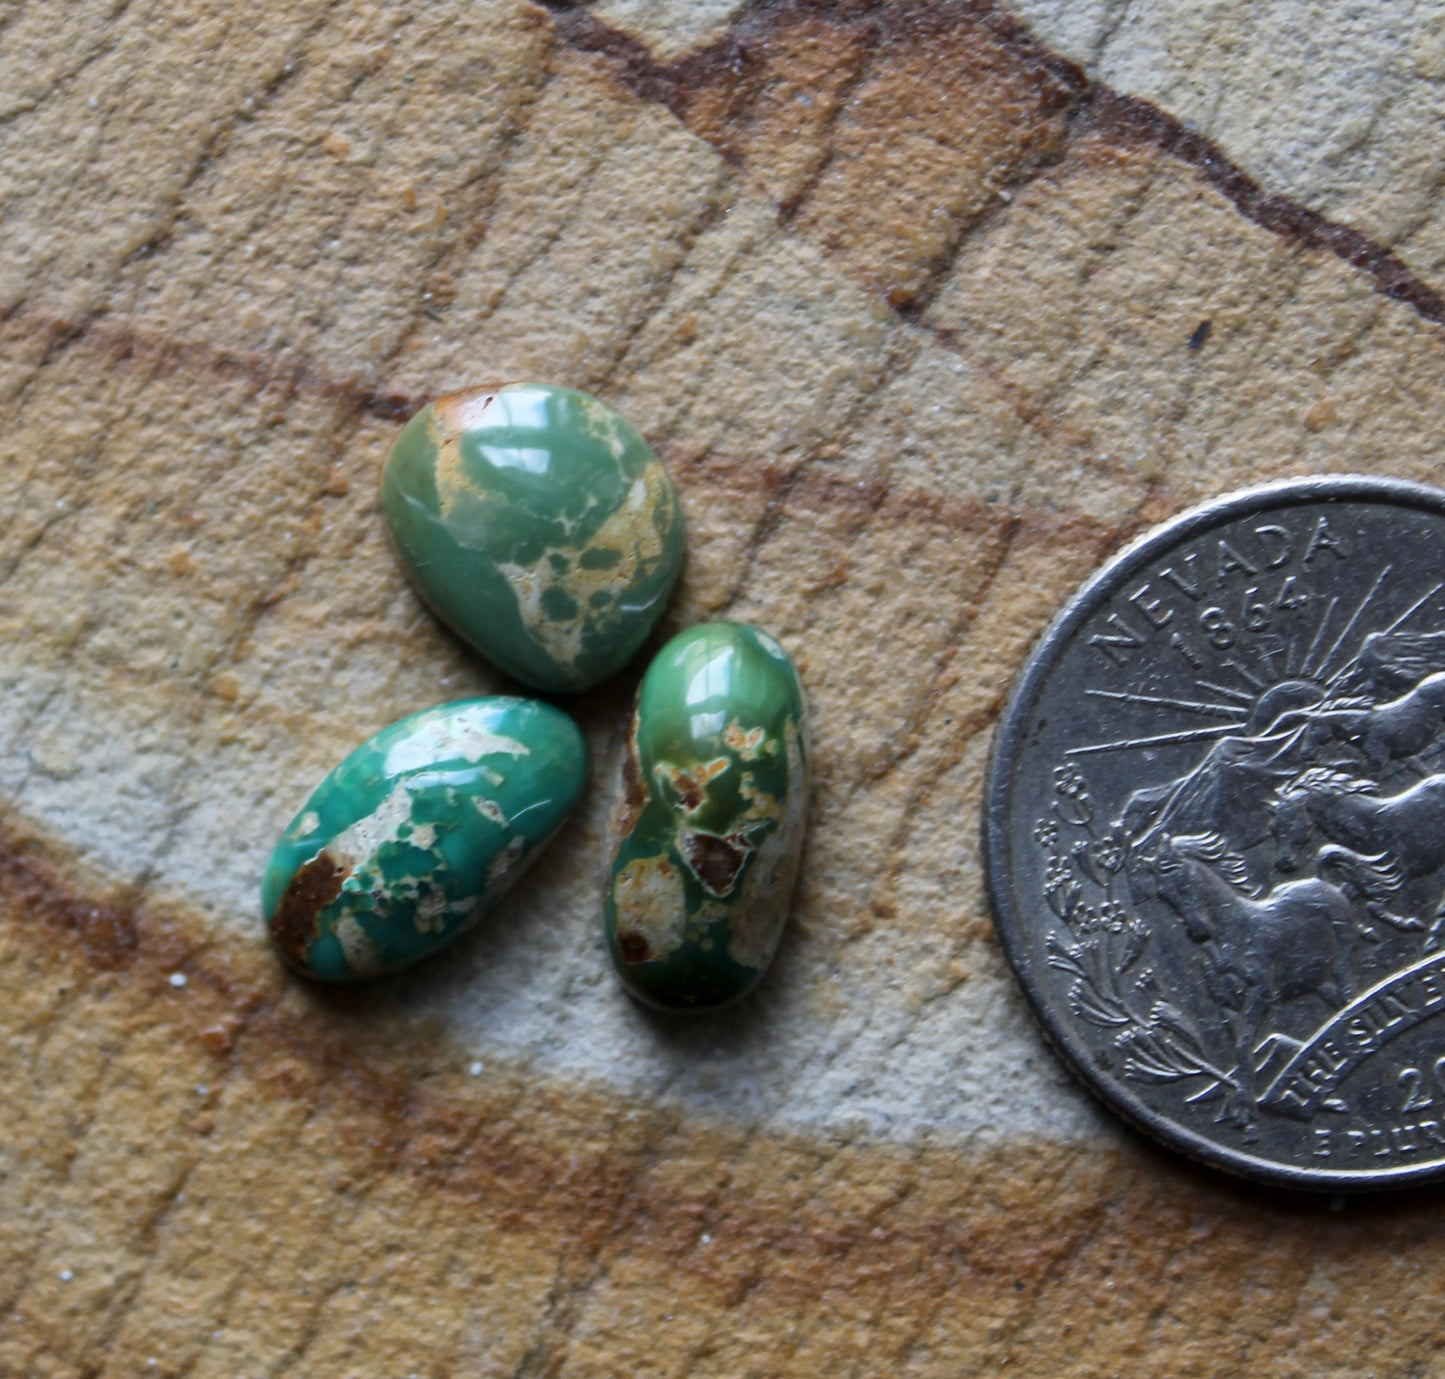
1216 833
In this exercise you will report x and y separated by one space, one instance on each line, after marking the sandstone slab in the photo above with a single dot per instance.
925 316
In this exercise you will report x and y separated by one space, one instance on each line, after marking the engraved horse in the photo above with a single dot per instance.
1294 941
1402 834
1402 728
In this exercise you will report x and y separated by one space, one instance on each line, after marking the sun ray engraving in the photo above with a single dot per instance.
1354 618
1162 740
1189 705
1244 675
1246 699
1265 654
1412 609
1304 665
1345 670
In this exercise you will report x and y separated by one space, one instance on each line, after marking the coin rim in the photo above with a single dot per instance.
1004 753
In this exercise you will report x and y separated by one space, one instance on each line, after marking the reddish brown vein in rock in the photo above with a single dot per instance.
46 335
1129 118
1124 120
858 503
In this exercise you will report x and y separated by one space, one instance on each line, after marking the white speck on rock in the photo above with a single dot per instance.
476 1069
66 1275
177 979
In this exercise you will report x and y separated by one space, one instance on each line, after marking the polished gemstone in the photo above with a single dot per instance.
539 526
708 827
418 833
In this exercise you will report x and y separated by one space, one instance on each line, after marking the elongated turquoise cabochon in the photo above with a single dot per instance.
708 827
538 524
418 833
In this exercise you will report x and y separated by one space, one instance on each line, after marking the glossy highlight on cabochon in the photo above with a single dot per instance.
708 828
538 524
418 833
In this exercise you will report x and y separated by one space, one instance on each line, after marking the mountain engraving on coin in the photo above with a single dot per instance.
1216 832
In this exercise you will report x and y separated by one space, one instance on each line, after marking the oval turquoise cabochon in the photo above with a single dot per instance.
419 832
708 829
538 524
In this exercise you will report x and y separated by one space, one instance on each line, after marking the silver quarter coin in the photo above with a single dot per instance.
1216 833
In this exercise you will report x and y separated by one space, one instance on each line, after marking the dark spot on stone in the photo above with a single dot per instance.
293 926
559 562
715 861
634 948
599 558
557 604
1201 334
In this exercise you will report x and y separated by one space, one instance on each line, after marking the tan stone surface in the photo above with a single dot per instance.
905 304
1339 106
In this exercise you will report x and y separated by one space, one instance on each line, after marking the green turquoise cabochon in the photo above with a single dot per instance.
419 832
708 828
538 524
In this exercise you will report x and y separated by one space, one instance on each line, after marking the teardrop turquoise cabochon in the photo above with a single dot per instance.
418 833
538 524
